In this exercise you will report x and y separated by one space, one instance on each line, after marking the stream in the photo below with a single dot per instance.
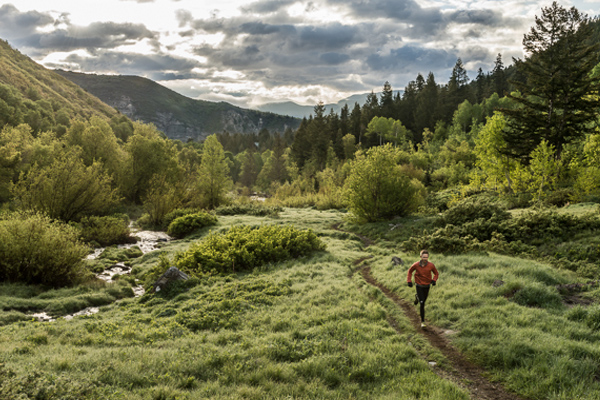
147 241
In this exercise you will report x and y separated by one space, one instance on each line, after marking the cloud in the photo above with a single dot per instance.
411 58
277 44
23 30
16 24
268 6
154 66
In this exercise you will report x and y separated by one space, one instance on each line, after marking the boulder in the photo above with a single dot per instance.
397 261
172 274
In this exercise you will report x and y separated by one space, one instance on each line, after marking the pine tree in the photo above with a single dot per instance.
387 101
426 113
555 98
500 84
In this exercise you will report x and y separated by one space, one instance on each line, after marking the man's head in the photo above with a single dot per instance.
424 255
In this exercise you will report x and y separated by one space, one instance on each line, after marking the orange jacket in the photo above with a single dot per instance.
423 274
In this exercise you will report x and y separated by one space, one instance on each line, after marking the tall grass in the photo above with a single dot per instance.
308 328
507 315
296 329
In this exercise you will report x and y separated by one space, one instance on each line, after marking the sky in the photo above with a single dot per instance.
253 52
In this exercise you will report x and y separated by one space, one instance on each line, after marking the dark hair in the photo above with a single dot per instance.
424 252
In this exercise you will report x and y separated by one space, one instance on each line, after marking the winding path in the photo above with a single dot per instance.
463 372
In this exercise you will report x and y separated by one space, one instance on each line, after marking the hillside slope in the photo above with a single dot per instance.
35 83
179 117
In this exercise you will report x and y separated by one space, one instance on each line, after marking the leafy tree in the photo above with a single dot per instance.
349 146
554 98
544 169
249 168
378 188
587 168
214 173
490 148
67 189
98 143
388 129
148 154
161 198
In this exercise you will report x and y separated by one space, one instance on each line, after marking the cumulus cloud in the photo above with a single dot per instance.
16 24
282 43
154 66
23 28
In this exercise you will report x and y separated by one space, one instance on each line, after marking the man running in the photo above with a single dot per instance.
423 270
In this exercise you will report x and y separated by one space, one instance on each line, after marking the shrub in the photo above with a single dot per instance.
106 230
67 189
259 210
245 247
37 250
183 226
538 295
179 212
471 210
559 197
378 188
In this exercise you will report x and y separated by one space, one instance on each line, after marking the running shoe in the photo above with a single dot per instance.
416 300
423 325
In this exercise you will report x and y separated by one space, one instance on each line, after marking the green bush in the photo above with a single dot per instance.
245 247
379 188
37 250
115 254
106 230
179 212
470 210
258 210
559 197
183 226
538 295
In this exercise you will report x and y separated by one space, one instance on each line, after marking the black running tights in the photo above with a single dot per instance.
422 293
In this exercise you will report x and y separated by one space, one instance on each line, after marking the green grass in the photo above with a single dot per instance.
307 328
520 331
303 328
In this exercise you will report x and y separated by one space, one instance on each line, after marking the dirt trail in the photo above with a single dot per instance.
463 372
468 374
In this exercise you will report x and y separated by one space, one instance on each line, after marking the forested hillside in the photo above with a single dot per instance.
39 97
179 117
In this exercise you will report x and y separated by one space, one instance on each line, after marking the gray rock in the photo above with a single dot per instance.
397 261
172 274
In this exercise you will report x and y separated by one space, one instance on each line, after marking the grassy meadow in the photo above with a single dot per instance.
307 328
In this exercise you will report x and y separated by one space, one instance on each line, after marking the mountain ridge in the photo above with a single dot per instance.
297 110
178 116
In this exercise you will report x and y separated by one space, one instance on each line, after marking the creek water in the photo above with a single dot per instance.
147 241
